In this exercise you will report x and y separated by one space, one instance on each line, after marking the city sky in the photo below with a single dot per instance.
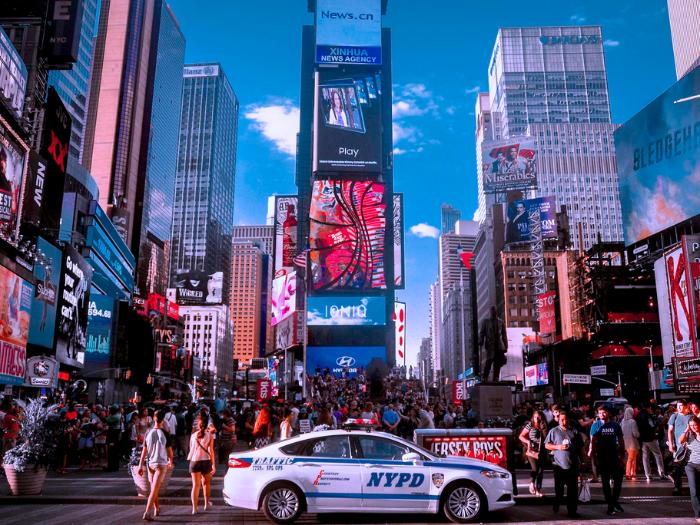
440 55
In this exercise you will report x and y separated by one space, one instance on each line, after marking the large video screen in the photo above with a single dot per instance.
99 332
348 131
284 297
509 165
343 360
658 161
197 287
349 32
345 311
347 235
285 242
398 242
47 272
518 225
13 161
536 375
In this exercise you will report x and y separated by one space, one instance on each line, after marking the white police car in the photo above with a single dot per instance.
360 471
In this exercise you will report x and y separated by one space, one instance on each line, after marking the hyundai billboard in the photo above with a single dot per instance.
658 161
348 116
347 235
345 311
342 360
349 32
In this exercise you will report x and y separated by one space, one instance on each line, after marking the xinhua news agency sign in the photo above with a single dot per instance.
349 32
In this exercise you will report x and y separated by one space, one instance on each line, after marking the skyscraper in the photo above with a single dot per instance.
73 85
247 284
684 16
435 328
208 333
551 83
448 217
205 176
161 162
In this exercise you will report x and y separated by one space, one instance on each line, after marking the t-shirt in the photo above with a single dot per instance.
595 427
607 446
565 459
157 447
694 447
680 423
199 447
390 417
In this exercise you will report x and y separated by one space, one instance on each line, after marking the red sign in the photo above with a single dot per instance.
547 312
264 390
173 310
486 448
459 392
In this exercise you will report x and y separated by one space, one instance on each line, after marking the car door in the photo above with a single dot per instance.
388 483
330 477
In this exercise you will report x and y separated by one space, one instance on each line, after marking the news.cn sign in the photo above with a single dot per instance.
264 390
486 448
547 312
349 32
459 391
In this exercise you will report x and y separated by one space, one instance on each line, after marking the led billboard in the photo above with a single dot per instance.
47 272
509 165
13 75
536 375
340 360
198 287
99 332
15 311
348 123
518 225
285 241
349 32
345 311
14 157
658 160
284 297
398 242
400 333
347 235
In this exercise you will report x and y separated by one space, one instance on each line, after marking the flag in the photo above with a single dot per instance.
300 260
466 257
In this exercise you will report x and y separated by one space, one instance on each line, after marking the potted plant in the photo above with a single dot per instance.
143 487
27 462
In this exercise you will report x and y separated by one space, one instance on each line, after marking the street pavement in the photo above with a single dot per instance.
110 498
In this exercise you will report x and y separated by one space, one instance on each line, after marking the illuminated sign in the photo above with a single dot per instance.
349 32
569 40
345 311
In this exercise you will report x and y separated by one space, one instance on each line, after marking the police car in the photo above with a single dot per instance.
361 471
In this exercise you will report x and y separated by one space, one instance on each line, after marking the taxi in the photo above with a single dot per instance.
359 471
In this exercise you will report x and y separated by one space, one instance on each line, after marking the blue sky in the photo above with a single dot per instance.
440 55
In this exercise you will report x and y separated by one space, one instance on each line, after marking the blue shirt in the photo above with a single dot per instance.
595 427
680 423
390 417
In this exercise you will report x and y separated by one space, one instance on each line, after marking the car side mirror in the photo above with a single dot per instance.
411 457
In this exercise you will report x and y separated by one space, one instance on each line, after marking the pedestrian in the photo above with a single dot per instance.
202 461
228 435
159 455
691 439
262 432
532 436
630 431
648 436
677 424
287 425
390 419
608 446
565 442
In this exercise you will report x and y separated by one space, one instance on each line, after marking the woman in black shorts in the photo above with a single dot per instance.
202 461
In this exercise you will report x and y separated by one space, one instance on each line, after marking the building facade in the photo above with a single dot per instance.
161 162
435 328
425 361
684 16
448 218
205 175
247 285
262 234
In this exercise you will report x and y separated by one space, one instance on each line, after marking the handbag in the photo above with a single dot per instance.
584 491
681 455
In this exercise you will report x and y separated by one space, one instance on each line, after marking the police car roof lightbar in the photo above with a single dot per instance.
355 423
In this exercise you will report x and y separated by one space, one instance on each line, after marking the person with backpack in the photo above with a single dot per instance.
159 453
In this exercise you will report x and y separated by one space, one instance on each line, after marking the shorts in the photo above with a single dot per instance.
203 467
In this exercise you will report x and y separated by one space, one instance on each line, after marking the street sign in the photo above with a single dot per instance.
577 379
607 392
599 370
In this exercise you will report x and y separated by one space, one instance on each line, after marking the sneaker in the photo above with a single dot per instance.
648 479
618 508
610 511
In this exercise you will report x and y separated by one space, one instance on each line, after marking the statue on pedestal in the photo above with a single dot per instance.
493 342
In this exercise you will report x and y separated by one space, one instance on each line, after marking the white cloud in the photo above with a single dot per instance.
278 123
611 43
399 151
472 90
424 230
403 108
578 19
403 132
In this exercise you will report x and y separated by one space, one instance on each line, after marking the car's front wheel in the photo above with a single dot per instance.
463 503
283 503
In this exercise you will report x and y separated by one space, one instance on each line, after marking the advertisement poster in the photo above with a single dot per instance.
73 304
285 241
349 32
284 297
509 165
485 448
348 117
342 360
658 158
48 273
518 227
42 372
290 332
691 250
99 331
345 311
400 332
197 287
459 392
398 242
13 75
14 157
546 308
15 311
264 390
347 235
536 375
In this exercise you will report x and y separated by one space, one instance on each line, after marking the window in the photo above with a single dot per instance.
325 447
373 447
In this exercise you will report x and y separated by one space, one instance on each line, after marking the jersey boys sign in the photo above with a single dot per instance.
485 448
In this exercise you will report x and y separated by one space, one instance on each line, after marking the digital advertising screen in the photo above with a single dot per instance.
197 287
48 272
658 160
345 311
14 157
536 375
348 130
285 242
400 332
284 297
339 360
347 235
99 332
15 311
509 165
398 242
349 32
518 225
